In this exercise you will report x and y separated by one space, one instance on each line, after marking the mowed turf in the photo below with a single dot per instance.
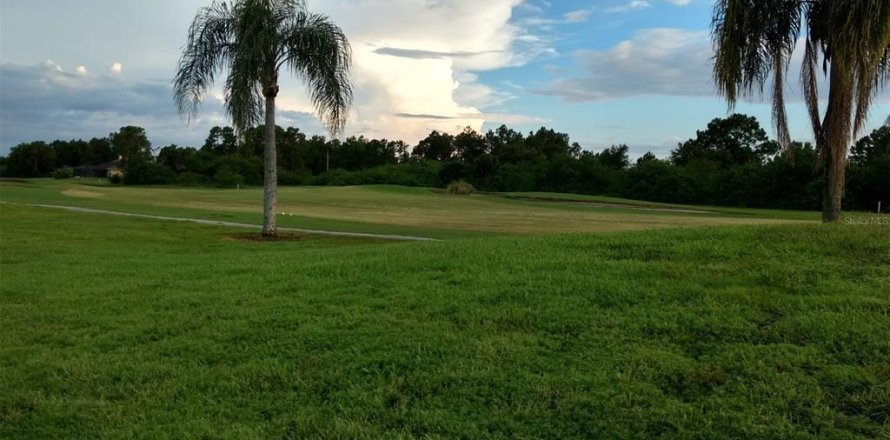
128 328
388 209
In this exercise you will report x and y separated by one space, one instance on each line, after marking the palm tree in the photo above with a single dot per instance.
253 39
848 39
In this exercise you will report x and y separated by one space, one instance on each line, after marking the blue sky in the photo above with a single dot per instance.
606 72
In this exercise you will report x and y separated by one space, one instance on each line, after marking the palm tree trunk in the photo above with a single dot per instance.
270 174
835 139
833 186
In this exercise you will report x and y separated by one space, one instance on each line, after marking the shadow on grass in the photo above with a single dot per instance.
297 237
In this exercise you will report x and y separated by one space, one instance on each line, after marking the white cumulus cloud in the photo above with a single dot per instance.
417 57
654 62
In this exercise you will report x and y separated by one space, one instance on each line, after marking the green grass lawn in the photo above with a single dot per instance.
387 209
130 328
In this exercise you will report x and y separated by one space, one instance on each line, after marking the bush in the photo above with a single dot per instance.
63 173
290 178
148 173
337 177
190 178
425 174
250 170
115 179
225 178
414 174
454 172
460 188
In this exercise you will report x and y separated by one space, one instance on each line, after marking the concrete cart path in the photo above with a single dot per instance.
237 225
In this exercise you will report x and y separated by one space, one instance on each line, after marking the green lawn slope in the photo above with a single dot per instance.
129 328
389 209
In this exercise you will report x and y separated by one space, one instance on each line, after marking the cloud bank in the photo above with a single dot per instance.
654 62
410 57
47 102
417 57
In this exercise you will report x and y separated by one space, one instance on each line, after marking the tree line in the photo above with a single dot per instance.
731 162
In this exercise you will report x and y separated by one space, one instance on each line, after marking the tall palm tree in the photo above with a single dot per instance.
253 40
848 39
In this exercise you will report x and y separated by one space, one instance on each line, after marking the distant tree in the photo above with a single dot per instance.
99 151
143 172
402 150
872 147
291 143
550 143
131 144
652 179
506 145
436 146
32 159
315 153
615 157
787 183
176 158
869 171
221 140
849 40
768 150
69 153
253 39
355 153
726 141
469 145
648 157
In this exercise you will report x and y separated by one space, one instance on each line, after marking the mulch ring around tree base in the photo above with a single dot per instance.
257 236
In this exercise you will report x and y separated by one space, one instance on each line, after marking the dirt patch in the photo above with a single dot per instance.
607 205
13 182
256 236
82 194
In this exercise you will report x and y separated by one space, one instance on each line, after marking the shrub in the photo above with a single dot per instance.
454 172
227 179
416 174
190 178
408 174
250 170
291 178
337 177
63 173
148 173
460 187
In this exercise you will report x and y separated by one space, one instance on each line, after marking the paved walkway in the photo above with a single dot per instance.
238 225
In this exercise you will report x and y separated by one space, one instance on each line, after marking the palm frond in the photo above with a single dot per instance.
754 39
254 30
318 51
254 39
869 25
809 78
208 49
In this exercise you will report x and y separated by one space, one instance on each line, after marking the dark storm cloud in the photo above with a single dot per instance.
424 116
44 102
426 54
